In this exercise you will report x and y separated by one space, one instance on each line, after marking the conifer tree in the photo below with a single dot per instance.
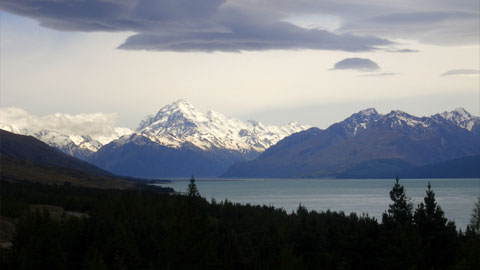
400 211
475 221
192 188
428 213
438 237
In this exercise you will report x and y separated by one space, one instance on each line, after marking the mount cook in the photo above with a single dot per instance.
180 140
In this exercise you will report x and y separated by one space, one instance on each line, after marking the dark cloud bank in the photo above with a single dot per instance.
236 25
186 25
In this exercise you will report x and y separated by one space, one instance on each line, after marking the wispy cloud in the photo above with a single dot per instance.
454 72
360 64
382 74
401 50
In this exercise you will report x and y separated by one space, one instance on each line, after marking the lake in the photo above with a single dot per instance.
371 196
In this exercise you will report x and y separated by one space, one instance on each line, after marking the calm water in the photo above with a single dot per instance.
455 196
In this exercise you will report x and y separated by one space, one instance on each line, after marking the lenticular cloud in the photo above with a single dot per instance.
360 64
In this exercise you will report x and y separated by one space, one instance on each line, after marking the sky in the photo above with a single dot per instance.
311 61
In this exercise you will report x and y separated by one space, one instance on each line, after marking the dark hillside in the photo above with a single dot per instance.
30 149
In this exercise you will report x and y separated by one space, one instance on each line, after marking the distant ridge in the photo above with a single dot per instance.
368 144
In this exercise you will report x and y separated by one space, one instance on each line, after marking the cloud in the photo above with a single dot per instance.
188 25
443 22
275 36
383 74
447 27
402 51
97 125
415 17
360 64
236 25
461 72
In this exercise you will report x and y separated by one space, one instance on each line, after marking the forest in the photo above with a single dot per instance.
146 228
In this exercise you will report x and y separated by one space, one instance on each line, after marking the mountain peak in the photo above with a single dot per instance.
182 104
458 114
368 112
178 111
461 111
358 122
180 122
460 117
398 112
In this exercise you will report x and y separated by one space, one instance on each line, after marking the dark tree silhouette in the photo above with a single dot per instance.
475 220
404 246
400 211
428 213
438 236
192 188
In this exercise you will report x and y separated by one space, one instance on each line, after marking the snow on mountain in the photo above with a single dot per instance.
366 145
461 118
10 128
401 119
180 122
76 135
79 146
360 121
63 143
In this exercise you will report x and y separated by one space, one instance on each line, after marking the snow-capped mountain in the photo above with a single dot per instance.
368 144
180 122
180 140
359 121
396 119
460 117
79 146
10 128
63 142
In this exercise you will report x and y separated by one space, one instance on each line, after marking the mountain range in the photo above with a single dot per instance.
368 144
179 140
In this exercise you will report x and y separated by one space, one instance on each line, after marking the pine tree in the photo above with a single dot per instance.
438 237
403 245
400 211
192 188
475 221
428 213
